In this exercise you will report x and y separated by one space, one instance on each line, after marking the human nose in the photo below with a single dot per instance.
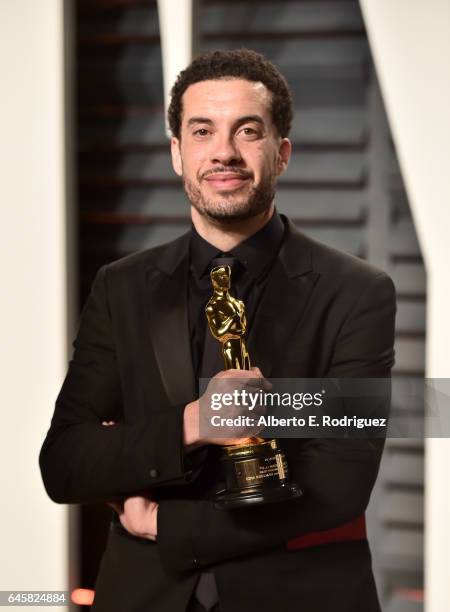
225 151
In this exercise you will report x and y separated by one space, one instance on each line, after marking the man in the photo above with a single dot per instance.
142 344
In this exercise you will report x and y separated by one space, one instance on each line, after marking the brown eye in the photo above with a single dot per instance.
201 132
249 133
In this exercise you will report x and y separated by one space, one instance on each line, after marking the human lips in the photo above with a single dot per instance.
227 180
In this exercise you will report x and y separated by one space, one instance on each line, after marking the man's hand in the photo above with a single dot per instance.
138 515
196 420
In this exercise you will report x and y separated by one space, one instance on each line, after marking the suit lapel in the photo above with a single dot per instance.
284 299
168 323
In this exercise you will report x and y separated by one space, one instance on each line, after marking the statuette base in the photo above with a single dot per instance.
255 473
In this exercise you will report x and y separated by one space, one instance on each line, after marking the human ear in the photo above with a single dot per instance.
176 156
283 155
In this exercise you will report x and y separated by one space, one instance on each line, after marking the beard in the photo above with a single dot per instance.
232 207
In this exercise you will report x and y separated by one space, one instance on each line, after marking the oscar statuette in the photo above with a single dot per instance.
255 471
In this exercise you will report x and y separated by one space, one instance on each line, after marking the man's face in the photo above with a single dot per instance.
229 153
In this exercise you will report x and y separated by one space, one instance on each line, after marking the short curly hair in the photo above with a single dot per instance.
237 64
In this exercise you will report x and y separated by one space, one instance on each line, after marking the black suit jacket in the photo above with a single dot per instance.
323 314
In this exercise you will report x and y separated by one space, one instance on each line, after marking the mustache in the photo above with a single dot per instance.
226 170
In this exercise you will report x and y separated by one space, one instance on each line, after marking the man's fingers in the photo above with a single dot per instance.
259 383
139 517
254 372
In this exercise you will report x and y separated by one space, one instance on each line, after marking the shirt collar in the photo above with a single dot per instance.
255 253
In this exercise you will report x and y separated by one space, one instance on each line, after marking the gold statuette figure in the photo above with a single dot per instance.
255 471
227 321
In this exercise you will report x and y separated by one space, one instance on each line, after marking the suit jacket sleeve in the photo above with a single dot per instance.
336 476
83 461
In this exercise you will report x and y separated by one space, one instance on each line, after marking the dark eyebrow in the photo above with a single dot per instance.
194 120
249 119
240 121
